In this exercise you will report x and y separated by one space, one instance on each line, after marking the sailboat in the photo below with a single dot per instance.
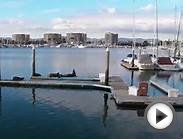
132 56
163 63
144 62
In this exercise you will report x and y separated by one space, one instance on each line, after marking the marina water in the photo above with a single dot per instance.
52 113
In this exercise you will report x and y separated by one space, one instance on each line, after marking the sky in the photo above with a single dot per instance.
94 17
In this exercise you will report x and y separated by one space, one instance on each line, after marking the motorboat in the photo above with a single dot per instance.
144 62
129 58
81 46
165 63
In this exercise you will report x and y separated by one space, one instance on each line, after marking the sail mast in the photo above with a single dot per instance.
134 26
178 34
157 29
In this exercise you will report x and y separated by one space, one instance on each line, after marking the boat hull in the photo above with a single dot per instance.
146 67
169 67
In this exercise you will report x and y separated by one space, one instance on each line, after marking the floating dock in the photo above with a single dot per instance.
129 66
123 99
117 87
56 83
161 86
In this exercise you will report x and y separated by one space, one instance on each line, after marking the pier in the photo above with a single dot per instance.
56 84
124 100
117 87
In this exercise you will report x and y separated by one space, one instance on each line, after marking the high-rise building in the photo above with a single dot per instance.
53 38
111 39
76 38
21 38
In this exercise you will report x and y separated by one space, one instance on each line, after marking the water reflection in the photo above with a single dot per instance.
105 109
105 115
140 112
33 96
146 75
0 102
164 75
132 78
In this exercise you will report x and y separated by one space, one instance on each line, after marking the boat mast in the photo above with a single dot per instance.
178 34
157 29
175 29
134 31
134 26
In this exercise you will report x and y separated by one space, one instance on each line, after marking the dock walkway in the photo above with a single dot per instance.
123 99
117 88
58 84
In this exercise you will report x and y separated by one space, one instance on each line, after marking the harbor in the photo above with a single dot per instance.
91 69
115 86
84 92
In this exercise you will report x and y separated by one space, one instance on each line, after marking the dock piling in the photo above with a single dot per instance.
33 61
107 67
133 57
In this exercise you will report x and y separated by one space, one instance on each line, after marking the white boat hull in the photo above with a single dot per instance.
169 67
143 66
146 67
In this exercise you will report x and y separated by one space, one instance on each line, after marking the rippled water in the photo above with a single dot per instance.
53 113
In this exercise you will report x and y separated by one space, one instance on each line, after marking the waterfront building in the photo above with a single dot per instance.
21 38
76 38
53 38
5 41
111 39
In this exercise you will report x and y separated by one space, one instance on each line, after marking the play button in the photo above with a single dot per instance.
160 115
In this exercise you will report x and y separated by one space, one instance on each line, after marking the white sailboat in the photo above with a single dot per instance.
164 63
144 62
132 57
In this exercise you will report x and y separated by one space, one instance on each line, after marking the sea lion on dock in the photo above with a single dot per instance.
54 75
73 74
16 78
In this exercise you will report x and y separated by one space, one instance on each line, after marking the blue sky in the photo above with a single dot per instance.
94 17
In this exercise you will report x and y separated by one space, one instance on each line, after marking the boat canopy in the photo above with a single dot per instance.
164 61
145 59
130 56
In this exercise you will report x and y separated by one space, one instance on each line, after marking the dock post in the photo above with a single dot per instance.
133 57
33 61
107 67
0 63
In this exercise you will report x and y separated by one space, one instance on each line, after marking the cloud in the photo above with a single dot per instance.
111 10
94 25
147 8
121 24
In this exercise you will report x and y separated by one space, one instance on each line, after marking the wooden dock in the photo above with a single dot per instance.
56 84
67 78
129 66
117 87
123 99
